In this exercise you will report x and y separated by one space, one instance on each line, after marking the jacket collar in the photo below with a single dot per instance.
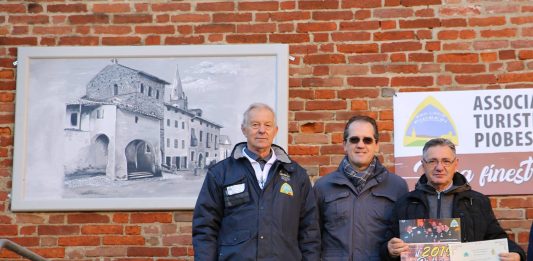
281 155
459 184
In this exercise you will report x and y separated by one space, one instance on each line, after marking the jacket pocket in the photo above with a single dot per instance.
232 246
234 238
337 207
232 199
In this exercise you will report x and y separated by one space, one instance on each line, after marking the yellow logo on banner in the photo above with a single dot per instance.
429 120
286 189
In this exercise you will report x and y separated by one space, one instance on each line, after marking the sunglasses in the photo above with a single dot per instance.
356 140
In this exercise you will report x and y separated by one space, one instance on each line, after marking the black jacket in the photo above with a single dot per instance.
477 218
235 220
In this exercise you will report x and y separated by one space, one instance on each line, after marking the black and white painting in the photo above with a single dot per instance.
111 128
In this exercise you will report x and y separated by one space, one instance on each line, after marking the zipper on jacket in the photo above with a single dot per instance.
438 204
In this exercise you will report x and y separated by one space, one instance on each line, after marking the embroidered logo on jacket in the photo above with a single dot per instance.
286 189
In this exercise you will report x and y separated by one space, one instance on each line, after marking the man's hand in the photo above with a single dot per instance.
396 246
512 256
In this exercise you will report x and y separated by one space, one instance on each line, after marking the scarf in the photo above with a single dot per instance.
357 178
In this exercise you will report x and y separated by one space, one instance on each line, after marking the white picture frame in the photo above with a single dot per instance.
134 127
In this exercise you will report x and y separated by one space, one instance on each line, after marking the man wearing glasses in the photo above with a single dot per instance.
442 192
356 200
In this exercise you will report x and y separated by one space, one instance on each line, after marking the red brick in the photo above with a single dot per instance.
290 16
359 25
393 12
401 46
488 57
18 40
126 40
420 2
460 10
348 69
325 59
511 32
66 8
79 241
147 251
216 6
457 46
313 116
316 27
259 6
483 45
325 105
311 138
256 28
350 36
525 54
358 48
231 17
215 28
421 57
185 40
458 58
155 29
358 105
8 230
101 229
465 68
321 82
301 93
394 35
50 252
359 92
132 19
105 251
75 40
151 217
427 12
312 127
455 22
366 82
420 23
476 79
246 38
332 15
123 240
522 20
112 29
486 21
57 230
318 4
506 78
190 18
522 44
89 19
111 8
412 81
448 35
360 4
398 58
303 150
169 7
515 66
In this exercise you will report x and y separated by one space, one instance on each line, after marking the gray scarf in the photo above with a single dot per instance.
358 179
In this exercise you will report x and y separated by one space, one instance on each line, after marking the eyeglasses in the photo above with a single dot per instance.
434 162
356 140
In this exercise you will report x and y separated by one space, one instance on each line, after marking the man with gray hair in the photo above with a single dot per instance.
257 204
442 192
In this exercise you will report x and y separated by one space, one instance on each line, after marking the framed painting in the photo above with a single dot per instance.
134 127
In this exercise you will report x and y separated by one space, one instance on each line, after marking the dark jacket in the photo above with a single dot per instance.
473 208
353 225
235 220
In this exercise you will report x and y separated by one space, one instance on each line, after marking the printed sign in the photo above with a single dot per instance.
492 130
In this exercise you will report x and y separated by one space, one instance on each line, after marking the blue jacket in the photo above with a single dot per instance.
477 218
353 225
235 220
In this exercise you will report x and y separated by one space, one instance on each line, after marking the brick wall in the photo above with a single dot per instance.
350 57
